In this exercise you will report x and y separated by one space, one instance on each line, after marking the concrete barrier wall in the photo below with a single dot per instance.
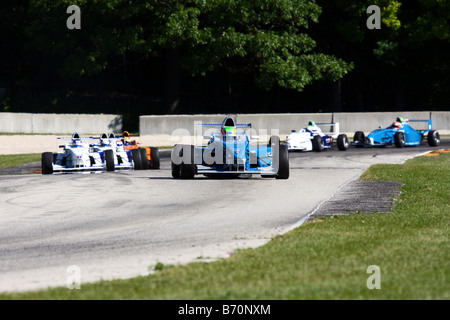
284 123
59 123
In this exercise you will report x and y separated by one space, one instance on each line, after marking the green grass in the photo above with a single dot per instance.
10 160
323 259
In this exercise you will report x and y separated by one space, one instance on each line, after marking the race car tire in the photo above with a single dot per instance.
136 156
283 163
433 138
175 170
359 136
273 141
342 142
47 163
399 139
144 159
183 170
109 160
154 152
188 170
317 143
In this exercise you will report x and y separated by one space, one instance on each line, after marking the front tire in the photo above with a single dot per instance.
342 142
186 170
136 156
433 138
175 171
47 163
109 160
280 158
283 163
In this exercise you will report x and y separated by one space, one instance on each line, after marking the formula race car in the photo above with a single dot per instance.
149 155
81 155
400 134
312 138
231 153
77 156
115 155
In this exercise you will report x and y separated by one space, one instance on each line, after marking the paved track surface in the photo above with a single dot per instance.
118 225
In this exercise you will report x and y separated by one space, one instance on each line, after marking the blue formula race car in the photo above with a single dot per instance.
231 153
400 133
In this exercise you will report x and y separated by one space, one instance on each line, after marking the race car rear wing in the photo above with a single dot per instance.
333 131
429 121
334 128
219 125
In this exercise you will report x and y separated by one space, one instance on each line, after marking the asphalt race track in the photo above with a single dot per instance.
118 225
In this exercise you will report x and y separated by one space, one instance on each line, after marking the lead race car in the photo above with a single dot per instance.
77 155
312 138
231 153
400 133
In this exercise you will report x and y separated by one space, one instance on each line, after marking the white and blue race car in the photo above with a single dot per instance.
312 138
115 155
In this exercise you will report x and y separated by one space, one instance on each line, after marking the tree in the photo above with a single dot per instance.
266 40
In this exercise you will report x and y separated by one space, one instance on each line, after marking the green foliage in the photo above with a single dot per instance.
293 44
265 38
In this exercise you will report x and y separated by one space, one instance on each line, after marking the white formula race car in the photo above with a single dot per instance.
115 155
77 155
312 138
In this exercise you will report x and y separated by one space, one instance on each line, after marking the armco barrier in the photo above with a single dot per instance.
153 129
59 123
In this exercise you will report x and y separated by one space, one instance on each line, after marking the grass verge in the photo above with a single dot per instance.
10 160
323 259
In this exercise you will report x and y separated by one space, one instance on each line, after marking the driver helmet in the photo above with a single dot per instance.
126 138
230 130
311 125
398 122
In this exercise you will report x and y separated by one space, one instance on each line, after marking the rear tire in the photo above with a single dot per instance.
399 139
47 163
154 153
317 143
109 160
136 156
342 142
433 138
